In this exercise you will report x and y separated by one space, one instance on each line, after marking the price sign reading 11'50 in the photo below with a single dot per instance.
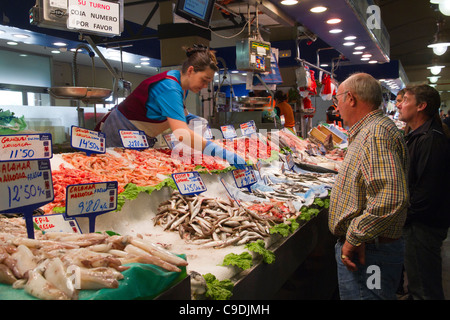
26 147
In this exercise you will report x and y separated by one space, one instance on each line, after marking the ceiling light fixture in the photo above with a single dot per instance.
435 70
373 61
434 79
12 43
357 52
360 48
318 9
444 7
21 36
348 44
349 38
441 41
60 44
335 30
289 2
334 21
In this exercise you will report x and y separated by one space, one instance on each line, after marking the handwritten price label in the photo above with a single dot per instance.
244 178
248 128
189 182
90 200
88 140
133 139
228 132
25 183
26 147
56 223
171 140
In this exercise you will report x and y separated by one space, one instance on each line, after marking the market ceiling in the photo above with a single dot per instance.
408 30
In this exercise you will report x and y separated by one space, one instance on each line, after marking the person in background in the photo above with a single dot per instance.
157 104
428 216
333 116
283 108
446 121
369 199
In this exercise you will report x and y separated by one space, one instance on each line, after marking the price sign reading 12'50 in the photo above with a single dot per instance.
25 183
88 140
26 147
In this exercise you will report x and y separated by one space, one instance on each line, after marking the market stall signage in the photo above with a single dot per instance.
90 200
289 161
94 15
134 139
244 178
88 140
189 182
248 128
25 186
26 147
208 134
56 223
228 132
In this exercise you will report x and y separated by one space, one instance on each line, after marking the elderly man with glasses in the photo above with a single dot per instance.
369 200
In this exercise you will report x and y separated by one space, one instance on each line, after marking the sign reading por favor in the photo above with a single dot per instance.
94 15
88 140
90 200
133 139
26 147
189 182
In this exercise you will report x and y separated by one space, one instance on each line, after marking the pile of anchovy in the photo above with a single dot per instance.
213 222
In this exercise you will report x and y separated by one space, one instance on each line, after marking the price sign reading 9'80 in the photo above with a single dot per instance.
24 184
26 147
91 198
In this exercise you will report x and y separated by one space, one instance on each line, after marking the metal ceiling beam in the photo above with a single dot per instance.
273 12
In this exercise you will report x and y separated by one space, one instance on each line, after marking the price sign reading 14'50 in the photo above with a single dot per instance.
26 147
88 140
189 182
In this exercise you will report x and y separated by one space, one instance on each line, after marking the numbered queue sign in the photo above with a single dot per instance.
245 178
189 183
134 139
90 200
248 128
228 132
25 186
88 141
26 147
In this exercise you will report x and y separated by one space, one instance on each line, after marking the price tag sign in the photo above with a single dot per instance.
228 132
248 128
26 147
90 200
134 139
25 186
171 140
56 223
189 182
88 140
208 134
244 178
290 161
282 120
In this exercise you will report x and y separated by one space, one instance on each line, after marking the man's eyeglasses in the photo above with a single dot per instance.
335 100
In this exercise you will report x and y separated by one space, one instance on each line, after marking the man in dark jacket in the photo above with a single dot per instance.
428 217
